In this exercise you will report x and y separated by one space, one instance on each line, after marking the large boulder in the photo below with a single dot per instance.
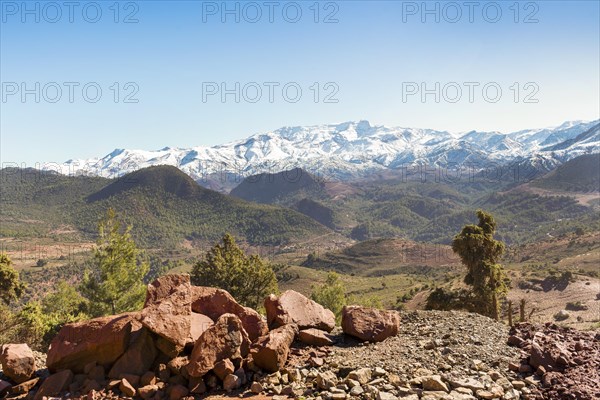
164 287
271 351
170 317
225 339
370 324
139 356
54 384
294 308
102 340
18 362
214 302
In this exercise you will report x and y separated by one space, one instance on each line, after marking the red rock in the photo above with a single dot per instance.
241 373
169 349
139 356
223 368
18 362
199 323
370 324
91 385
55 384
133 380
148 391
316 362
225 339
271 351
197 385
177 366
538 357
126 388
170 317
231 382
97 373
148 379
315 337
102 340
164 287
113 384
163 373
178 392
214 302
89 367
294 308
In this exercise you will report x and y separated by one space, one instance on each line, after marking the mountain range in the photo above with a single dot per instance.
353 149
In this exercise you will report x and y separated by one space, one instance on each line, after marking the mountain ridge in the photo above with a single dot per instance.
164 205
351 149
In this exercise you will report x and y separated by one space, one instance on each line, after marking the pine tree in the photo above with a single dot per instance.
11 288
249 279
116 283
480 253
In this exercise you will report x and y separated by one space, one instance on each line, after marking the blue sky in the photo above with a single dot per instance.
368 61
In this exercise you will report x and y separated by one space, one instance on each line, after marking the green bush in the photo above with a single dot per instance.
331 294
249 279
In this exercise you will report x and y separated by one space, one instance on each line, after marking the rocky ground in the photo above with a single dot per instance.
565 362
436 355
192 342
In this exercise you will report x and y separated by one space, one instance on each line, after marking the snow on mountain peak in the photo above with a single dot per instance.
347 148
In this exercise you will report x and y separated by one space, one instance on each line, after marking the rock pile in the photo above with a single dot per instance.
564 362
189 341
186 341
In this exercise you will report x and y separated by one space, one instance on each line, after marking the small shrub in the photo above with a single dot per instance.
331 294
576 306
41 263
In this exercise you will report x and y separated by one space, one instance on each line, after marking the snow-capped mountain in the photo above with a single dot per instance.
355 149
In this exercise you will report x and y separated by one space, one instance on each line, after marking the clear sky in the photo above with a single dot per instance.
373 57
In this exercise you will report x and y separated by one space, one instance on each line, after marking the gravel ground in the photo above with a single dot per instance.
437 341
436 356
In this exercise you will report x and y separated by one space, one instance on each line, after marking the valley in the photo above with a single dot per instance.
387 238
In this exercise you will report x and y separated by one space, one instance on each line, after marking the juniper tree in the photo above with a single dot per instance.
11 288
249 279
115 285
480 253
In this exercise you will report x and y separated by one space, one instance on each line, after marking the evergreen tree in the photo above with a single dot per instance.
249 279
331 294
480 252
116 283
11 288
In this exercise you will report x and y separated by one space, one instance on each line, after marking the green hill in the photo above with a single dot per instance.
164 205
281 187
581 174
428 211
